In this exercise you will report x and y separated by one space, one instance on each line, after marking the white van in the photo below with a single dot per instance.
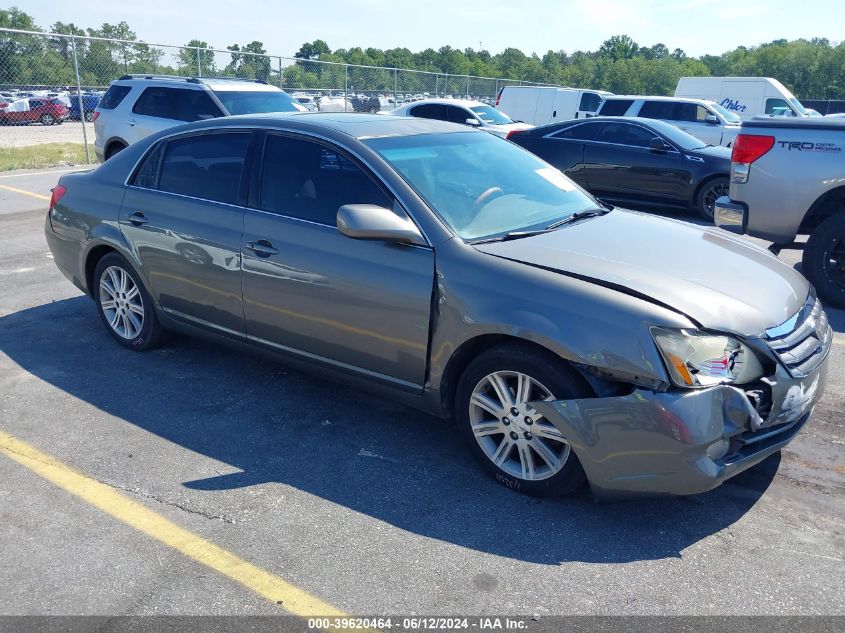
744 96
539 105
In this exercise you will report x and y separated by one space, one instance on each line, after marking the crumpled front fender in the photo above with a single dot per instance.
681 441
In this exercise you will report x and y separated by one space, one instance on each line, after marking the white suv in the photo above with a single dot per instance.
136 106
706 120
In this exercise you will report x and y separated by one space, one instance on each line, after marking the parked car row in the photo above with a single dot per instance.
461 274
44 110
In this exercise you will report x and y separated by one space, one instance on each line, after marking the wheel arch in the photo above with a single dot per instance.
829 203
467 351
113 142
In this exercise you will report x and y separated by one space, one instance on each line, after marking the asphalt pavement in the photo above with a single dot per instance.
273 491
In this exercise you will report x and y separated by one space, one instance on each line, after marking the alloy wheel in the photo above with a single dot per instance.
512 434
713 193
121 302
47 119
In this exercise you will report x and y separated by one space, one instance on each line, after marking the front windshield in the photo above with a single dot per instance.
797 105
480 185
255 101
729 116
491 116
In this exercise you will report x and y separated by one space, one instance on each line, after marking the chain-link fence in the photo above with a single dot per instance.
50 84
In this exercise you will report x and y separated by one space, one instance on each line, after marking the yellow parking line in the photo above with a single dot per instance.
138 516
839 339
40 196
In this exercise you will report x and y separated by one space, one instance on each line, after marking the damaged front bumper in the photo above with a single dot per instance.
681 442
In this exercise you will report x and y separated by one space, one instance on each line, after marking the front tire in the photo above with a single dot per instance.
512 440
125 306
823 262
709 193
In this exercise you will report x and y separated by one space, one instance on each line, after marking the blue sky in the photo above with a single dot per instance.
697 26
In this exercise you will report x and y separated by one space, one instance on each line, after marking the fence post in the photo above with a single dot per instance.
345 86
395 85
467 94
79 97
280 73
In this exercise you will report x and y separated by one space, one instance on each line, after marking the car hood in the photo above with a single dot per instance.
719 280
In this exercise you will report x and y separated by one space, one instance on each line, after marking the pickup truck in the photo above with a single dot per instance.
788 179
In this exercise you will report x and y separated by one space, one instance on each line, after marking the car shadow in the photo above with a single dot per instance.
353 449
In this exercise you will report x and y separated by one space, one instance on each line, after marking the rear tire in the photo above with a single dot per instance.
709 193
125 306
517 445
823 263
47 119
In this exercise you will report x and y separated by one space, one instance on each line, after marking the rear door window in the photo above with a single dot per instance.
615 107
158 102
114 95
206 166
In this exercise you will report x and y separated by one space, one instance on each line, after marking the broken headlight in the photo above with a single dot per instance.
695 359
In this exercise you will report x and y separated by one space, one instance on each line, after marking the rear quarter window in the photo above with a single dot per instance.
114 95
615 107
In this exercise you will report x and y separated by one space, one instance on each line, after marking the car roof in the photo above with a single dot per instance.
356 125
657 98
467 103
215 83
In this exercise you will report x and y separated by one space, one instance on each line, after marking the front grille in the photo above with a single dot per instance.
801 343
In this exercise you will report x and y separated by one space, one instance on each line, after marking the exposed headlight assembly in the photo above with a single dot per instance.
695 359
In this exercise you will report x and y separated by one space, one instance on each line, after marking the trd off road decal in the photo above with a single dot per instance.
808 146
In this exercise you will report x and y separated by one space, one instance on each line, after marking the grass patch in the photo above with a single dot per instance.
46 155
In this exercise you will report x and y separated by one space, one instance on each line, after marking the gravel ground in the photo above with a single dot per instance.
37 134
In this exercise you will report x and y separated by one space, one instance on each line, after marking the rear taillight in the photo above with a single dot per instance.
96 114
58 192
499 96
746 149
513 133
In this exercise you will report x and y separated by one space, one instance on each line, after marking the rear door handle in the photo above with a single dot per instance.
131 122
262 248
136 218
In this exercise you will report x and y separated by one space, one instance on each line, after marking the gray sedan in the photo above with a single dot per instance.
462 275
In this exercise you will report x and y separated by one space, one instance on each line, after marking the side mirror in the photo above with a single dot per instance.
657 144
712 119
473 122
372 222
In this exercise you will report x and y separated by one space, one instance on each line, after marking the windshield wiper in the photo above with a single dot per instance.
515 235
580 215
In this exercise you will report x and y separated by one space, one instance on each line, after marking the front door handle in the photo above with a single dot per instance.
262 248
131 122
136 218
